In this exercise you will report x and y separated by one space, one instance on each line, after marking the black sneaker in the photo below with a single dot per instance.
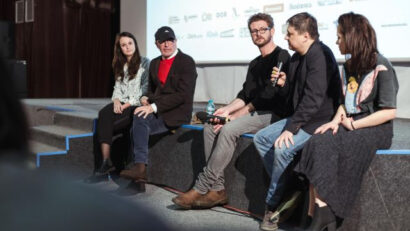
105 167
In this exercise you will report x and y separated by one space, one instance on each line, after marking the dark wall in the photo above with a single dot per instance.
68 47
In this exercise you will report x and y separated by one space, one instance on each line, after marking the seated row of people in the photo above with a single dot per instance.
154 97
337 121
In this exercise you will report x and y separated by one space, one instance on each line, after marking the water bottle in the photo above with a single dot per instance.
210 108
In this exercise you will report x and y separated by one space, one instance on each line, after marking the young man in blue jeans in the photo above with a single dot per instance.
314 76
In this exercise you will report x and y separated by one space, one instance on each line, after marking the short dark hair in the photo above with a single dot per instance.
261 16
304 22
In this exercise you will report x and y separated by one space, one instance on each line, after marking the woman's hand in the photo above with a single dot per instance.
125 106
333 125
117 106
347 123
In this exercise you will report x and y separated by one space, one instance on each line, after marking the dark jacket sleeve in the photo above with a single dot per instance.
145 75
152 84
265 96
182 85
314 90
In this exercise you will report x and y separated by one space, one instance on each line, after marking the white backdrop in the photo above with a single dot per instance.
215 31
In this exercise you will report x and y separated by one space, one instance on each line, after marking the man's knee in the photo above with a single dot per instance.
139 120
228 132
208 129
259 140
285 155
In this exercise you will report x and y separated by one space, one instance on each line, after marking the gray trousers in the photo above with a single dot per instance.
212 177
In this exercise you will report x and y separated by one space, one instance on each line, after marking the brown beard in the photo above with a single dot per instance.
266 41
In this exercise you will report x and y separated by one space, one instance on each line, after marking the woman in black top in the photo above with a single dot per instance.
337 156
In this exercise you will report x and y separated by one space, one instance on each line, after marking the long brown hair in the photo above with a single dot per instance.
361 43
120 59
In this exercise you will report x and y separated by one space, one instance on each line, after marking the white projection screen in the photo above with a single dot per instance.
215 31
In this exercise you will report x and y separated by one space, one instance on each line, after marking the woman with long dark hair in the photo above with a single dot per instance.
131 82
337 156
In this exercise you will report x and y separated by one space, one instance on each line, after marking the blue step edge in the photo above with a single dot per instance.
393 152
55 108
248 135
201 127
67 145
40 154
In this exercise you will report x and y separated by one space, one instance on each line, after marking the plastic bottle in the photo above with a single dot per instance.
210 107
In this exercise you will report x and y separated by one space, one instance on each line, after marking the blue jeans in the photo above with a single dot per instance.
277 159
140 132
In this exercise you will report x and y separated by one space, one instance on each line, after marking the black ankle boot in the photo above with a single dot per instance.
105 167
323 218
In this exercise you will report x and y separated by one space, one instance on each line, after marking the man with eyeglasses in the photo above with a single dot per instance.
257 105
167 104
314 76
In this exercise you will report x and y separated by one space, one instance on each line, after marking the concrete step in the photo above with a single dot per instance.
81 121
55 135
41 150
38 147
38 115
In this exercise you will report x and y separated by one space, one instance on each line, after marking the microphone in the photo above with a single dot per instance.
206 118
275 81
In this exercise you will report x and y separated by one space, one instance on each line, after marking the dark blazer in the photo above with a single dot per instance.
316 88
174 99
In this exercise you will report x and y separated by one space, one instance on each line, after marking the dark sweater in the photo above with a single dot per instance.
257 88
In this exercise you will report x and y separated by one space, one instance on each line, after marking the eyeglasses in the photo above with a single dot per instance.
261 31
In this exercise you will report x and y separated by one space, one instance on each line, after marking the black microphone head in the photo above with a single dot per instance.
283 57
202 116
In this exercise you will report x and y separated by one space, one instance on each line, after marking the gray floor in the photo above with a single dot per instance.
159 200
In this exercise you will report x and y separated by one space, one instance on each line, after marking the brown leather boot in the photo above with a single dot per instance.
137 172
133 188
185 200
211 199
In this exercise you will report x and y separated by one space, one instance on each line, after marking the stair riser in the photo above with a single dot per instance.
82 123
48 138
37 115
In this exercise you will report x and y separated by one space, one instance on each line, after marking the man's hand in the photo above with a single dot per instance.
286 137
217 127
144 101
117 106
143 111
281 77
222 112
